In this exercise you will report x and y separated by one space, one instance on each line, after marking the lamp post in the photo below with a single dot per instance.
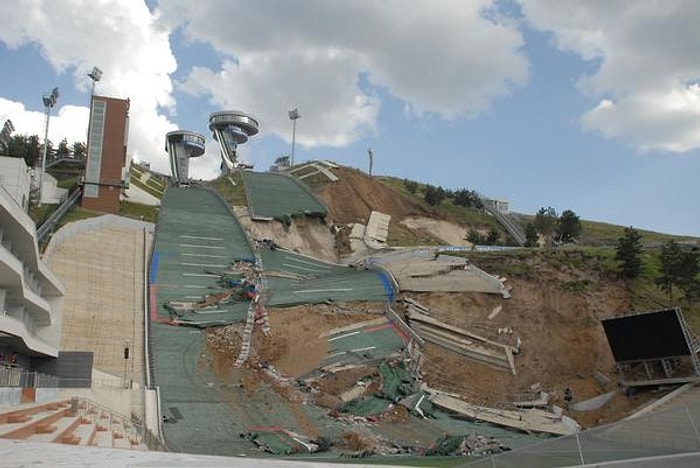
293 116
95 75
49 102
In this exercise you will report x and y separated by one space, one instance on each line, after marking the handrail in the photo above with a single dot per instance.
56 216
506 221
137 428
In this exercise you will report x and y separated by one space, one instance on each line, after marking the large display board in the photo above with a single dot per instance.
653 335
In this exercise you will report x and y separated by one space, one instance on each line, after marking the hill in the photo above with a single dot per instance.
558 295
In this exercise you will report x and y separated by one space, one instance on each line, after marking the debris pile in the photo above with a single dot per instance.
473 445
239 285
279 441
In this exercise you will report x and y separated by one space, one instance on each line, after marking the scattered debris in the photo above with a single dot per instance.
466 445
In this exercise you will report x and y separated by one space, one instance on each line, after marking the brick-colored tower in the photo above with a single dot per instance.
107 167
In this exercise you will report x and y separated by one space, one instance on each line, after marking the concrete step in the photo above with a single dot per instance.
37 422
57 430
85 432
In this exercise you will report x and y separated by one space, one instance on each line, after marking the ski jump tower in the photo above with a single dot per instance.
230 129
182 145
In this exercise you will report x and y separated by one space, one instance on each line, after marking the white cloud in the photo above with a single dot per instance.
449 57
121 37
647 67
61 125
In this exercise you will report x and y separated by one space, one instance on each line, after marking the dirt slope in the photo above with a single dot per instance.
355 195
557 302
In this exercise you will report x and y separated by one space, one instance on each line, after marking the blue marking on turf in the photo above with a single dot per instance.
386 282
154 268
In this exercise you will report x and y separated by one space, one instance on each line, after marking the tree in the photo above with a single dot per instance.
26 147
690 270
79 150
434 195
531 237
492 236
63 151
466 198
411 186
671 258
629 251
546 222
568 227
473 236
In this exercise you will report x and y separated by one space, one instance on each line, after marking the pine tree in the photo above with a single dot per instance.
671 258
546 223
568 227
530 235
629 251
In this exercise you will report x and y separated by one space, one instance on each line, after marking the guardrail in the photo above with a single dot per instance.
506 221
134 427
56 216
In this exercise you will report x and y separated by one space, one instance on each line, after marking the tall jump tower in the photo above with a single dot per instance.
230 129
182 145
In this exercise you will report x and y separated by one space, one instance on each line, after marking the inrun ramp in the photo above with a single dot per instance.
196 233
273 195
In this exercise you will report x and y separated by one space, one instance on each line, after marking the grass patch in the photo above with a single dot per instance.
39 214
401 236
138 211
233 194
578 286
69 182
146 188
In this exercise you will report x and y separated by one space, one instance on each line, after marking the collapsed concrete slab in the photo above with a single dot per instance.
426 270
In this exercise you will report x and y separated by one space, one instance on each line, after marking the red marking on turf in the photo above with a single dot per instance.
377 328
404 336
152 300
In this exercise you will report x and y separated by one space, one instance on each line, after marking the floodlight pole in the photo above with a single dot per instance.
293 116
95 75
49 101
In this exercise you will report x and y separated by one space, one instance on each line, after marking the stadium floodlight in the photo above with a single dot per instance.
95 75
49 101
6 133
293 116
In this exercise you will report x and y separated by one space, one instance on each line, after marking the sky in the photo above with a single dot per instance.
591 106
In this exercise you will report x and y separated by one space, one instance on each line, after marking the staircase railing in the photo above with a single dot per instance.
48 225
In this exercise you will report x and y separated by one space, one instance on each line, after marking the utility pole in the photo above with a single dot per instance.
370 153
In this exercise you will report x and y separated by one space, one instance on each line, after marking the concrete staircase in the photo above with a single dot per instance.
69 421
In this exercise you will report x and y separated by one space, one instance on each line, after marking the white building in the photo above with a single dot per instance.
31 297
16 179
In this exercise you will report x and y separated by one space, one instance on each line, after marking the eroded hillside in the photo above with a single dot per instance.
556 304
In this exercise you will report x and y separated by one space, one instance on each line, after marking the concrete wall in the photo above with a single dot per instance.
10 396
15 179
51 193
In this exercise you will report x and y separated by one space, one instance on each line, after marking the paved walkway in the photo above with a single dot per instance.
102 268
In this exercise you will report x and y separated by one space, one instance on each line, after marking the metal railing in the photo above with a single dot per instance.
48 225
18 377
507 221
133 427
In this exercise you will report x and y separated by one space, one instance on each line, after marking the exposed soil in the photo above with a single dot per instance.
563 343
295 345
555 310
351 198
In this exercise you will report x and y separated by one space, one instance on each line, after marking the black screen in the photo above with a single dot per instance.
654 335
